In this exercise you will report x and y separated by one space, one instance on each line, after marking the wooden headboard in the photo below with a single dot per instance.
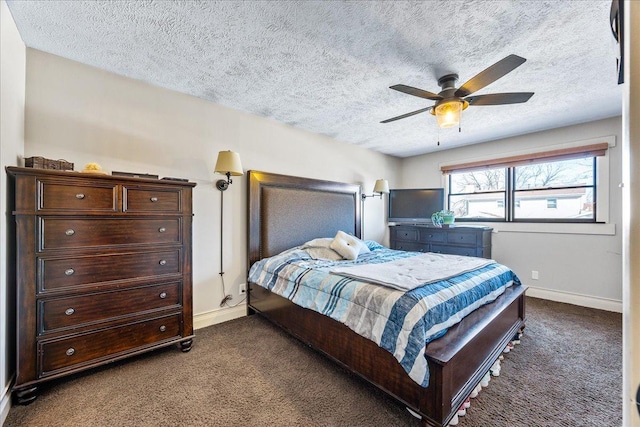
286 211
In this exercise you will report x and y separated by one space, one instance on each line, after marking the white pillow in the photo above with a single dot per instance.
323 253
320 249
348 246
320 242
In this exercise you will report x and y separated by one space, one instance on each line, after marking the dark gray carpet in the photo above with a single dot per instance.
566 372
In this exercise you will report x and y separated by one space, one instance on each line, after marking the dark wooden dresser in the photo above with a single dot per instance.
103 271
457 240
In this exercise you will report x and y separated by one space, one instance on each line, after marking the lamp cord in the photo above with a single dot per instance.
221 234
226 298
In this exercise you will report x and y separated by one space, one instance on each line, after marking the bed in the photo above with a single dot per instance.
285 212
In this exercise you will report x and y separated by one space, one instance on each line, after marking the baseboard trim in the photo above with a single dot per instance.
5 405
202 320
575 299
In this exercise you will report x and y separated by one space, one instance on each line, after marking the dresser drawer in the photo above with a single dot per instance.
407 234
454 250
76 197
78 233
76 311
431 235
150 199
410 246
76 351
462 238
67 272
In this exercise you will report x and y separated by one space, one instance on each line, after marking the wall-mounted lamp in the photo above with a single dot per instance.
381 187
228 164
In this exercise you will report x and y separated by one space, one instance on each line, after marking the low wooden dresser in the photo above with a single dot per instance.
102 271
457 240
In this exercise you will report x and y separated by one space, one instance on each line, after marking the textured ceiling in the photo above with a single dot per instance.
326 66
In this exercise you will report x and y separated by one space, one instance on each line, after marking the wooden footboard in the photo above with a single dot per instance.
457 361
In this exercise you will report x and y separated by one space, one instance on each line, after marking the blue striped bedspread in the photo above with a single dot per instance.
400 322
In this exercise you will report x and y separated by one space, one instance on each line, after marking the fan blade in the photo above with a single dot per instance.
416 92
490 75
406 115
499 98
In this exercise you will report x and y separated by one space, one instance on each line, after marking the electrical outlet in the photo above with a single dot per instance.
242 289
534 274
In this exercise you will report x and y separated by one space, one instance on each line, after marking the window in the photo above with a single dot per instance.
560 190
545 187
478 194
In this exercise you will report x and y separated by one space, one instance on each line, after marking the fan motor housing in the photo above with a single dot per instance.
448 85
448 81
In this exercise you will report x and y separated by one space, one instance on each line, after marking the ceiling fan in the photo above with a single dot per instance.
451 100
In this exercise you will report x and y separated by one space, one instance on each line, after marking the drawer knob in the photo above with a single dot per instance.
430 235
163 328
69 311
80 196
162 229
163 262
69 271
154 199
70 351
70 232
163 295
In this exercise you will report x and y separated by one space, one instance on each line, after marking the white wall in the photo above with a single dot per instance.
579 268
12 89
83 115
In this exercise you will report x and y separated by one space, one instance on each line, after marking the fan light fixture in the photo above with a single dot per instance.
448 113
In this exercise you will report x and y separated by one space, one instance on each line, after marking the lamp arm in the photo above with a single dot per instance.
222 185
364 196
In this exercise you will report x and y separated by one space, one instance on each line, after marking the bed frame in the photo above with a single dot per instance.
286 211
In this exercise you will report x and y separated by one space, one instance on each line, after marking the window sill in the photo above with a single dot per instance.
553 228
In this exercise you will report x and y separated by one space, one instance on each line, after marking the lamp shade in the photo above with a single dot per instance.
229 163
448 114
382 186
